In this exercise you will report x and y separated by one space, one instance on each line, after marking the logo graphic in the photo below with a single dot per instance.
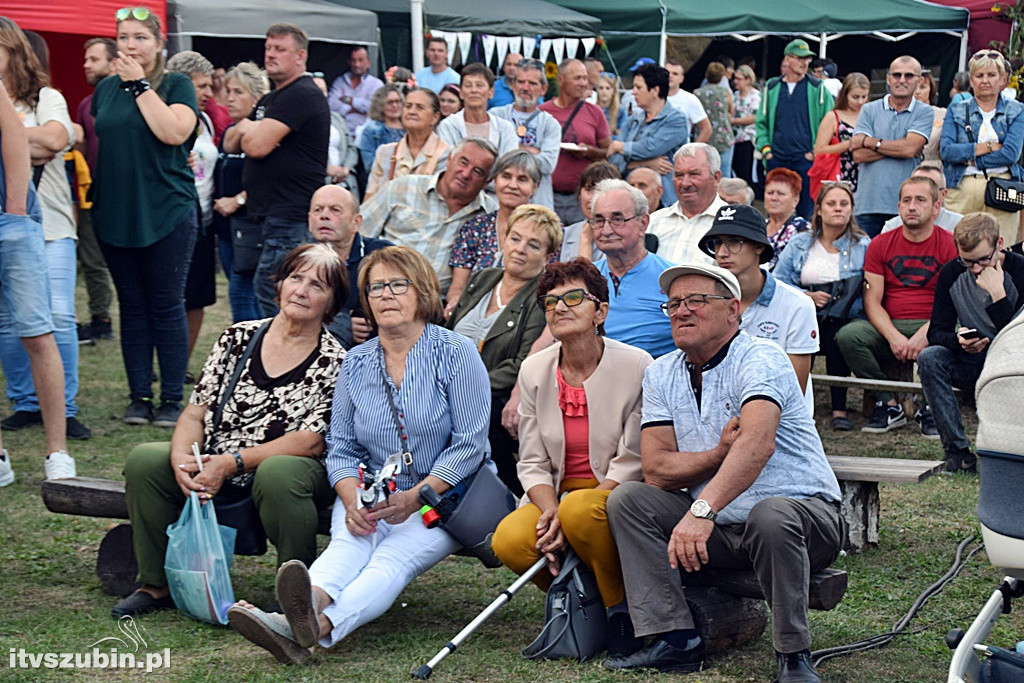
128 627
914 271
814 334
726 214
768 329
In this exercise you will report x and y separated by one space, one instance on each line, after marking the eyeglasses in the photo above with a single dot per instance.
694 302
140 13
574 297
838 183
615 221
968 262
897 75
375 290
732 244
990 54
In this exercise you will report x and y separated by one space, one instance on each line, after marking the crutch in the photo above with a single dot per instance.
423 673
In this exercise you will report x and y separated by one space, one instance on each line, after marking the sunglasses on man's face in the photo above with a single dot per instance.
138 13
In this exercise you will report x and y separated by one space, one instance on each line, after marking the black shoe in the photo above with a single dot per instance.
85 337
796 668
663 657
140 602
884 418
841 424
167 414
101 329
140 412
21 419
925 420
190 378
621 640
961 462
76 430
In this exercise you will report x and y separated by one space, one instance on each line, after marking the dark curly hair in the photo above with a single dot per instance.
580 270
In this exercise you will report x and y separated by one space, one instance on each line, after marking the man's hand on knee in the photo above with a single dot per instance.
687 546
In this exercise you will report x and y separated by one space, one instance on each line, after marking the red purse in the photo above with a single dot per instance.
826 167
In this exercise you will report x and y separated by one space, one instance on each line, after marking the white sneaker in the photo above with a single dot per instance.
6 473
60 465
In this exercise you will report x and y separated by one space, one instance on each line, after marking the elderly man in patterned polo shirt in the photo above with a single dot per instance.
734 476
425 212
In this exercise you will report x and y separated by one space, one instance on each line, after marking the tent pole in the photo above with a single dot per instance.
822 45
663 42
963 51
416 26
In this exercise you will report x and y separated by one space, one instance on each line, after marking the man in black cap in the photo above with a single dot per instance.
770 309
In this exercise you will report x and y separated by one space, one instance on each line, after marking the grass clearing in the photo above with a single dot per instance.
51 600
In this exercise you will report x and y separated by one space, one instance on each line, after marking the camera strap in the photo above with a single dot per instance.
403 437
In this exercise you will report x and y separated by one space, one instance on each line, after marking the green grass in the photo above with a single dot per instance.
50 599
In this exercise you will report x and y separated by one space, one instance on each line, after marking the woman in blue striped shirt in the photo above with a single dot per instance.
441 397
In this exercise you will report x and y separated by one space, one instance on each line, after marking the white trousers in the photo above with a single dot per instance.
364 580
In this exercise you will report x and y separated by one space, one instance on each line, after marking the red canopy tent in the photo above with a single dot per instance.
986 26
65 28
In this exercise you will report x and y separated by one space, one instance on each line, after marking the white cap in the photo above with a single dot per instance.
714 272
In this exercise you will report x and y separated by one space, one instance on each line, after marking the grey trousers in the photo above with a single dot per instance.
784 541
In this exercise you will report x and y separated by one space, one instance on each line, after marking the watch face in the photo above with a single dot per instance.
700 508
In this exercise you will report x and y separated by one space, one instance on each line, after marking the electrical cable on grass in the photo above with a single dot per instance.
900 627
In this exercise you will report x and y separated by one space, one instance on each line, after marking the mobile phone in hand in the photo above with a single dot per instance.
969 333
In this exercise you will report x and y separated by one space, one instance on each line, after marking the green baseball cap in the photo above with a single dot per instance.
798 48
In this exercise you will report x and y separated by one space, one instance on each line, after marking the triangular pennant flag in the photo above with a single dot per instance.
502 42
488 42
515 44
450 39
558 45
588 45
529 45
465 40
545 48
572 46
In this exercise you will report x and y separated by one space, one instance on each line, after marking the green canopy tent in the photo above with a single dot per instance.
519 18
640 28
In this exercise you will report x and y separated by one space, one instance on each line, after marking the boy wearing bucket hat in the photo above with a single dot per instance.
791 108
770 309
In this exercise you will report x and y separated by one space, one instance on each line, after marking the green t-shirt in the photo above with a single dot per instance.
142 188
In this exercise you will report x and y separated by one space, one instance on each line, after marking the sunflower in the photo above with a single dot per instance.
551 71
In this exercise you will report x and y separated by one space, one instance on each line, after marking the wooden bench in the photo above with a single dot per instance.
858 482
898 387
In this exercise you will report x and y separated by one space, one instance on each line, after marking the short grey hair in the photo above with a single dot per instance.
637 197
190 63
736 186
932 166
252 78
482 143
711 154
520 160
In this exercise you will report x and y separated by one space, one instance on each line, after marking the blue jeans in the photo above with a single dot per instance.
279 237
60 257
727 162
872 223
800 166
23 293
941 370
150 283
241 294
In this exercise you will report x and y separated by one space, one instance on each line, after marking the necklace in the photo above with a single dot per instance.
497 295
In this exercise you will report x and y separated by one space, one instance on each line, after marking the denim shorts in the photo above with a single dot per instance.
23 283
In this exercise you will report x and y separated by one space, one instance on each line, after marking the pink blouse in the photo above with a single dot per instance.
576 425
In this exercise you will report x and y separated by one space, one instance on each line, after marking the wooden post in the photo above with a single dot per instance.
725 621
861 509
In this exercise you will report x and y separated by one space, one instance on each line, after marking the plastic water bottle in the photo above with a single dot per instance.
1020 647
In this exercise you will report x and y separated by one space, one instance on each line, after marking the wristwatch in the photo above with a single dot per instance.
240 199
878 144
702 510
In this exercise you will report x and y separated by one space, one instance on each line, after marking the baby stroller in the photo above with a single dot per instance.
1000 508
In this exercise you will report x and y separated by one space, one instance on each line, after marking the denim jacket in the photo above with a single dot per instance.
958 152
660 137
851 261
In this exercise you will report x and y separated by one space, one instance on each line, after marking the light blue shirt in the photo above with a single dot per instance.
750 369
426 78
502 94
659 137
444 403
634 316
878 182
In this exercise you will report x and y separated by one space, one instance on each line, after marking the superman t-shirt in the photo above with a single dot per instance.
910 270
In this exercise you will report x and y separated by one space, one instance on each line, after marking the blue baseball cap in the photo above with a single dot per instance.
640 62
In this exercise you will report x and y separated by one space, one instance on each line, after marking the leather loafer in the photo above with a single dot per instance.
796 667
663 657
140 602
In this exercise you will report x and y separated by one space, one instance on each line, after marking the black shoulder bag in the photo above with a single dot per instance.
1004 194
234 504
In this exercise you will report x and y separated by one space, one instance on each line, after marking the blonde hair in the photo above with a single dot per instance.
542 217
613 106
987 58
152 23
421 275
974 228
251 77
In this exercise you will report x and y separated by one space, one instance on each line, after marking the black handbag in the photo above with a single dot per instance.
844 294
234 504
576 624
1003 194
246 244
480 501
